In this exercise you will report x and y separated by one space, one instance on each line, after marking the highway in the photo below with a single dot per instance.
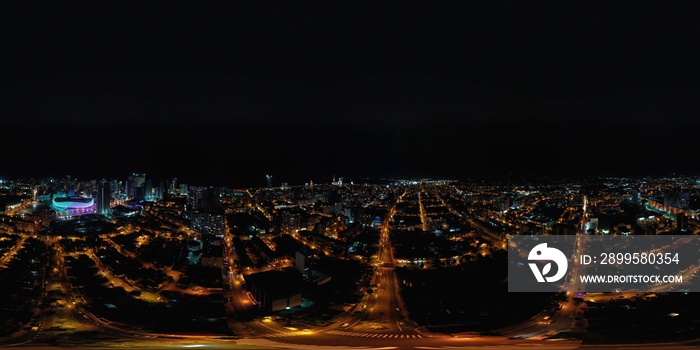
421 208
381 314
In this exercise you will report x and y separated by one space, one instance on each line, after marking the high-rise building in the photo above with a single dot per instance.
184 190
172 186
203 198
133 183
104 197
149 192
269 181
194 197
116 187
162 191
208 222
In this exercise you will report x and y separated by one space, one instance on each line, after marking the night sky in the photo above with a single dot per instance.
305 90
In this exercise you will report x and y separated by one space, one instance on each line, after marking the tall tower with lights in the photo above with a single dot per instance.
103 197
268 177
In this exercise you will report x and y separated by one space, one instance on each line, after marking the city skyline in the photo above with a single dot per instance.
142 262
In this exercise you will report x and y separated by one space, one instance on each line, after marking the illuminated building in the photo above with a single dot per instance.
149 193
171 186
208 223
269 180
67 207
184 190
592 226
194 197
203 198
103 197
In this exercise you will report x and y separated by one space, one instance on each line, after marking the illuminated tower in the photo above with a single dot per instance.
171 186
269 181
103 197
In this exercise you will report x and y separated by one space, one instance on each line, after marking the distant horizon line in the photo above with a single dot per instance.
351 179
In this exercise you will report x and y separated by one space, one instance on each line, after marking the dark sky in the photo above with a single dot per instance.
304 90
